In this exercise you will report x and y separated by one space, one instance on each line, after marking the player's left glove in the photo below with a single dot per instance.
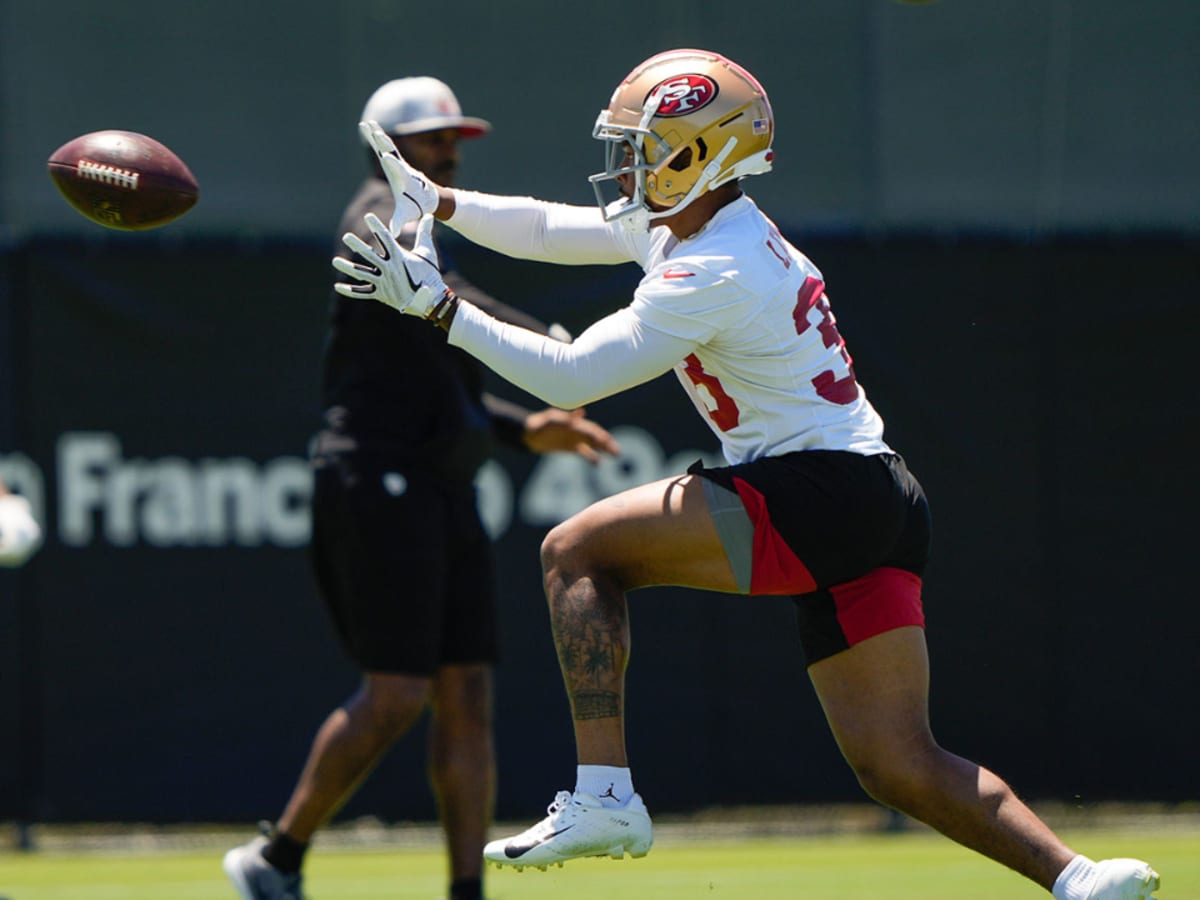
406 280
20 535
414 195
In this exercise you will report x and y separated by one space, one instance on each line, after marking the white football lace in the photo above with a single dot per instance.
106 174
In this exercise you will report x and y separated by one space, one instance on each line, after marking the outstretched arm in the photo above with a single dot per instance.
516 226
616 353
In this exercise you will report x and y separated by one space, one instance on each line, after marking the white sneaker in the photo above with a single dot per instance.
577 826
1124 879
257 879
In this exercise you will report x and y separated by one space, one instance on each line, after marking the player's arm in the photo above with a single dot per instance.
515 226
526 228
616 353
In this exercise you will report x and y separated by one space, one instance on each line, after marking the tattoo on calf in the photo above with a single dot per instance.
596 705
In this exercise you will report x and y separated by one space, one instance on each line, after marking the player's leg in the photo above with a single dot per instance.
875 696
462 767
659 533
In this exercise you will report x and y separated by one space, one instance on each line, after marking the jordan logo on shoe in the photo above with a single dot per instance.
609 793
514 850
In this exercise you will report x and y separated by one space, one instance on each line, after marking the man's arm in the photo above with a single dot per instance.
550 430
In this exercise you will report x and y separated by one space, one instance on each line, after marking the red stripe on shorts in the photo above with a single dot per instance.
775 569
880 601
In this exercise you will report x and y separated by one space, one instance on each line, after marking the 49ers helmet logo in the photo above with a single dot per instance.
685 94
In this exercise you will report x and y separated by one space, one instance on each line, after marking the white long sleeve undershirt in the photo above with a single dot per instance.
526 228
616 353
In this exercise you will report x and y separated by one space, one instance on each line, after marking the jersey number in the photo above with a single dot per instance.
842 391
723 411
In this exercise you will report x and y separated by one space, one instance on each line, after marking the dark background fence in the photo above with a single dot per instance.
167 657
1003 198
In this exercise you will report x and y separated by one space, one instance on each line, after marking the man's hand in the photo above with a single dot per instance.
406 280
413 193
20 535
558 430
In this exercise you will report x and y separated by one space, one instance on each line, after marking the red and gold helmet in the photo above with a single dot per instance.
680 124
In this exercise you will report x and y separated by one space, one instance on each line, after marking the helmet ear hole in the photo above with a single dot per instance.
682 161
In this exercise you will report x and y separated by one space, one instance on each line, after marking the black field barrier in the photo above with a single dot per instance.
165 657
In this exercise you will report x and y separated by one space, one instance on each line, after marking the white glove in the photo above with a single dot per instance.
414 195
20 535
406 280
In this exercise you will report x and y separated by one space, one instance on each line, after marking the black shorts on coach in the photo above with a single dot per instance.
403 564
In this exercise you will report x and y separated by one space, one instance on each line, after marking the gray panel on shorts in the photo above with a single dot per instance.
734 528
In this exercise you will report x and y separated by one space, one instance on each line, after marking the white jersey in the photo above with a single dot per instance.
739 314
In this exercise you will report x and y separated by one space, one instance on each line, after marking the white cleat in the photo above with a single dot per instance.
1124 879
577 826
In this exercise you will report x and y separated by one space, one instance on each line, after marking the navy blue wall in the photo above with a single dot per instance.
175 641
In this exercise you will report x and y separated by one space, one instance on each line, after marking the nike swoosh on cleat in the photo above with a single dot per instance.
677 273
514 851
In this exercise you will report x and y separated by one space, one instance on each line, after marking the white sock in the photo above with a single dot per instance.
611 785
1076 881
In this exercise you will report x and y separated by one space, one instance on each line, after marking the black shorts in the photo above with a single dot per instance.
848 534
404 566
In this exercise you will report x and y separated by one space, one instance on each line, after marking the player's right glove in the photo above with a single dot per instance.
20 535
413 193
408 281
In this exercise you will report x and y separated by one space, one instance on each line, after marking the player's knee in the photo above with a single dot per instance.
898 781
562 550
393 702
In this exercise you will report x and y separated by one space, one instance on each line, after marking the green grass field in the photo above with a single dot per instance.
850 867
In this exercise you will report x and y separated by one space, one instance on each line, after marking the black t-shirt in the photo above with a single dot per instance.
392 385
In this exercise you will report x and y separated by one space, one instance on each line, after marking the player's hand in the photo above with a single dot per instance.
406 280
558 430
20 535
414 194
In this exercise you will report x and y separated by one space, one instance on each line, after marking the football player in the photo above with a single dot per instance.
813 501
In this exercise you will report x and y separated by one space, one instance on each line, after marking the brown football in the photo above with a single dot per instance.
123 180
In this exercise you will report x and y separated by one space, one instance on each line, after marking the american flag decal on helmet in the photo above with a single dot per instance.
761 126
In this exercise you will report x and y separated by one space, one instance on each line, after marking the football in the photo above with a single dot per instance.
123 180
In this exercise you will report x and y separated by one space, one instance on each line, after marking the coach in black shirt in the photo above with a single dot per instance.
400 555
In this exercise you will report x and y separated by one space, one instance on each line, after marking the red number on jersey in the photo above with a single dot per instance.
844 390
775 245
725 414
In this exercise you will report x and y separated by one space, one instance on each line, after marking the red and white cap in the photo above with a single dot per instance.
412 105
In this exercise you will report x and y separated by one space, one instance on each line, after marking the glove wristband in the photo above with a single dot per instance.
442 313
